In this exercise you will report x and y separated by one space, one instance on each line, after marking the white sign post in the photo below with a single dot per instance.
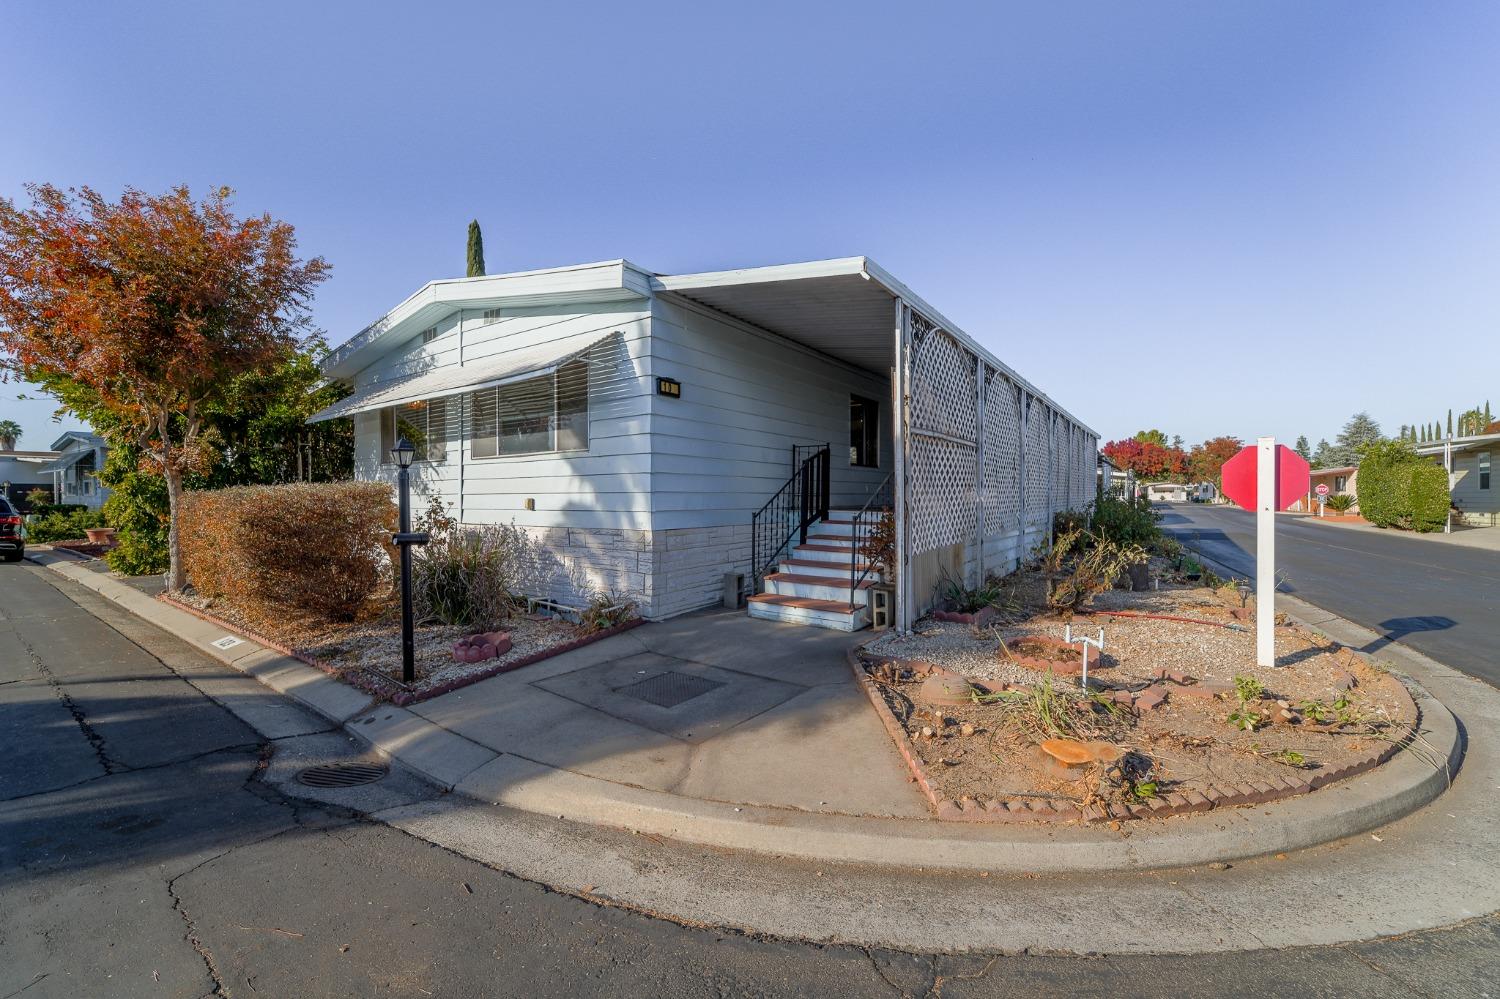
1265 551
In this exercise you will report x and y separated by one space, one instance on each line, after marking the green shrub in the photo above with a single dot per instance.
1126 521
1340 502
62 525
319 548
1398 488
137 509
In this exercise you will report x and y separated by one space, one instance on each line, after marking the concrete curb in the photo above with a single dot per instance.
1409 781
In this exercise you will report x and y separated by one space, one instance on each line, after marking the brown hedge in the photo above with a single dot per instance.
320 548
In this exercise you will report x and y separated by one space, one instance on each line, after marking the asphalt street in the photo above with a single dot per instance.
148 848
1442 600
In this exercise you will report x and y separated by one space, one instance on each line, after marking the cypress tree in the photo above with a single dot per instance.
476 250
1488 419
1450 423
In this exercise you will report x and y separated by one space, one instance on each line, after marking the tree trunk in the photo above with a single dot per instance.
176 579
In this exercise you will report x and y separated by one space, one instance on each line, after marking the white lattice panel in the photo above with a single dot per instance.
1002 454
944 396
940 493
1036 460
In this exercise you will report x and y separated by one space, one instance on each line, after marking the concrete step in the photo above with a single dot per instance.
831 570
819 552
815 588
823 538
830 614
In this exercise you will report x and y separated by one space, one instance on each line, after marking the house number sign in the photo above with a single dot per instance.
669 386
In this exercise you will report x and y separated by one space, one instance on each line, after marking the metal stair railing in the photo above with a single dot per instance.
801 501
866 523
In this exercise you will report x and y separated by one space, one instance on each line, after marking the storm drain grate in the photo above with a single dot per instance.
669 689
342 774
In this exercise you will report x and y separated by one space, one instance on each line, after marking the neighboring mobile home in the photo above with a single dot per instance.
1340 482
1475 495
657 432
80 457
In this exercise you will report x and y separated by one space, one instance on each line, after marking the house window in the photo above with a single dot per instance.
429 334
424 424
1484 469
1339 482
490 315
864 432
538 415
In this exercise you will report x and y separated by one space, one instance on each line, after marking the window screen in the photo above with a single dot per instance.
1484 469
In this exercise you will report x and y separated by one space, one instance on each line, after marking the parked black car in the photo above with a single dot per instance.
12 540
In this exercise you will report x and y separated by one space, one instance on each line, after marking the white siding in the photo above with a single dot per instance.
725 447
606 486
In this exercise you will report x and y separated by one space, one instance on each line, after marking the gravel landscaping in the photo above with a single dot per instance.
370 650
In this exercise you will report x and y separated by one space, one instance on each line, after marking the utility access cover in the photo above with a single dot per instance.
668 689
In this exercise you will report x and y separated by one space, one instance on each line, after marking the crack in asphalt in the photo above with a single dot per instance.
124 769
94 739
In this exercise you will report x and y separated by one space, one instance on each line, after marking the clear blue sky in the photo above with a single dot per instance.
1208 218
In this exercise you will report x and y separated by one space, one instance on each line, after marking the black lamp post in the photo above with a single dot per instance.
404 538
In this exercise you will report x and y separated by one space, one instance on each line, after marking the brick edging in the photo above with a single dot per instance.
376 687
1173 803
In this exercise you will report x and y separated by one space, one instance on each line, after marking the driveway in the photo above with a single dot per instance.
1442 600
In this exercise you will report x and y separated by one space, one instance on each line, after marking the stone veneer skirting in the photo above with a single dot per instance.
665 572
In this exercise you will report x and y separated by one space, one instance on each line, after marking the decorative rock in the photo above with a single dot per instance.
967 728
1103 752
485 645
1068 752
927 731
946 688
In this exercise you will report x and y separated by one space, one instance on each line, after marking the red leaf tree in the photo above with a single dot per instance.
152 306
1149 460
1206 460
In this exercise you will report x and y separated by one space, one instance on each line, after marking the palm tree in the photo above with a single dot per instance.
10 432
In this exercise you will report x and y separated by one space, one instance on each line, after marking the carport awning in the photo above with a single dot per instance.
68 460
511 366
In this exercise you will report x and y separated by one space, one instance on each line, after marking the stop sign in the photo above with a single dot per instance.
1291 477
1322 489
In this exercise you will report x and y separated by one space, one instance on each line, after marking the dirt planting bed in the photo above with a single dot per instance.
1177 717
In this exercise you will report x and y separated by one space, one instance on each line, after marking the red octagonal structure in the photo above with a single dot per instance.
1292 478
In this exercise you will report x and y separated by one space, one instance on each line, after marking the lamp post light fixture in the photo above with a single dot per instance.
404 538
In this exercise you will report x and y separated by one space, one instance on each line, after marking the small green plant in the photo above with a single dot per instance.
1317 711
965 600
1244 717
1191 567
1339 502
1346 711
1289 757
1248 688
1144 791
605 610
